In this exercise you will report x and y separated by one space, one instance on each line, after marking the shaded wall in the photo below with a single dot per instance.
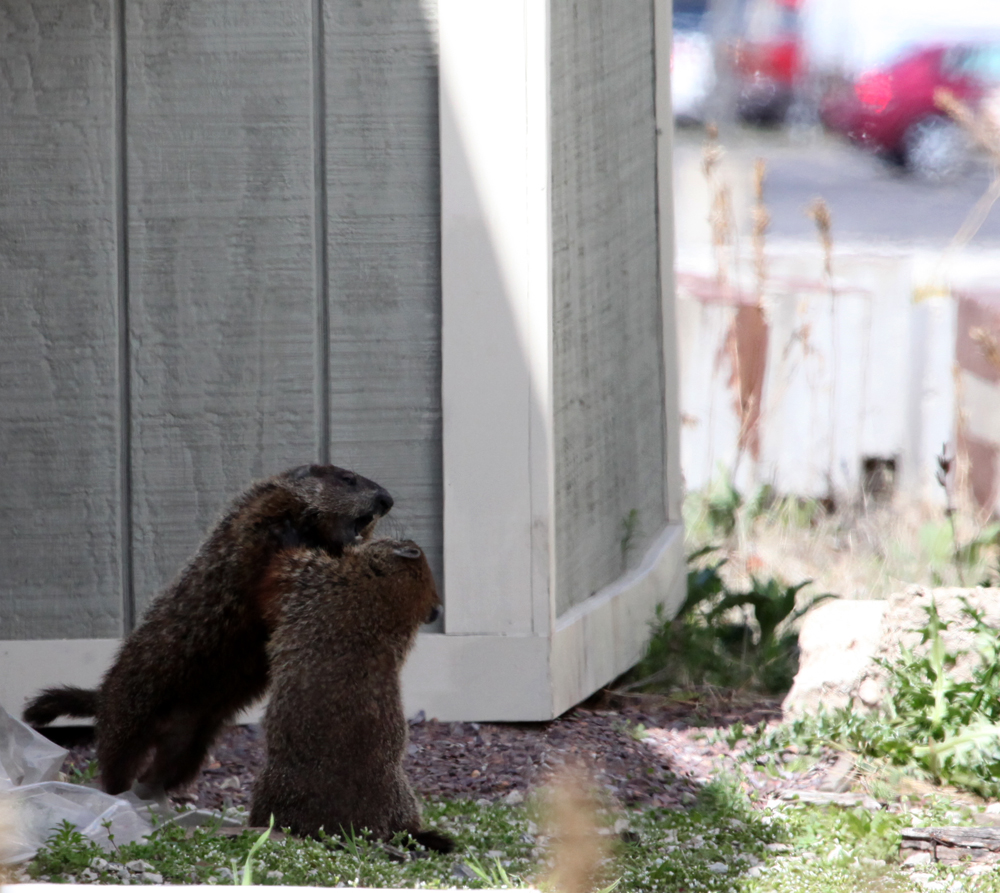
219 257
608 377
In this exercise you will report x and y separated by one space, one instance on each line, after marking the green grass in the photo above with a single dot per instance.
483 833
721 843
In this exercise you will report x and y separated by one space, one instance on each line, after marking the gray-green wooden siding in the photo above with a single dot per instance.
219 257
607 349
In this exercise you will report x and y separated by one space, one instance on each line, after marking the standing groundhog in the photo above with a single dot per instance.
336 733
199 655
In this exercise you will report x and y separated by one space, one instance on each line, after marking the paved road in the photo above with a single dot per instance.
870 200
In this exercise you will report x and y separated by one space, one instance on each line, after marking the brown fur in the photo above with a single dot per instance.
336 733
199 655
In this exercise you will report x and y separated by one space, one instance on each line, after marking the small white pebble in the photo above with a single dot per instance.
274 874
152 877
139 865
718 868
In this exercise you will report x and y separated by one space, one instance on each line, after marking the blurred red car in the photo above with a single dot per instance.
892 110
767 60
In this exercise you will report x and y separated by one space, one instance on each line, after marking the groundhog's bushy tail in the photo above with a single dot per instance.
68 700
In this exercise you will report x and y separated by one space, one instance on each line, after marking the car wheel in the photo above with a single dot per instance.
936 149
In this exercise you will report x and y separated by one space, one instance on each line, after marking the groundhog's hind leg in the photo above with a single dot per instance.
181 746
120 753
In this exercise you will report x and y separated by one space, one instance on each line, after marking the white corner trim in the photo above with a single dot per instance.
486 678
598 640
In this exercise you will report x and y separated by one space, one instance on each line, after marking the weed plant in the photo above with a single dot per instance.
743 639
932 725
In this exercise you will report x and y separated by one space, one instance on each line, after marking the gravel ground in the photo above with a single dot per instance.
662 764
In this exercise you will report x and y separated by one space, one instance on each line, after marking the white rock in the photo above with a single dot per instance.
152 877
840 640
978 868
513 798
914 859
139 865
837 642
718 868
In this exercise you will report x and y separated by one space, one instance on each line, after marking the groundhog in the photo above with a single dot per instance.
335 728
199 655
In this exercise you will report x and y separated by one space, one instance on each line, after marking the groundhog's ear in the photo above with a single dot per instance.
407 552
303 471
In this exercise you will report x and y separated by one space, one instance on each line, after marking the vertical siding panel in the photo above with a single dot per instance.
59 426
383 224
222 267
607 342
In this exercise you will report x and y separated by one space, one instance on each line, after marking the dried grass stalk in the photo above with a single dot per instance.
579 850
760 219
987 342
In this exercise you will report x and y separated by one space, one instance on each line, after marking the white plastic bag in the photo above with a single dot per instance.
25 756
29 765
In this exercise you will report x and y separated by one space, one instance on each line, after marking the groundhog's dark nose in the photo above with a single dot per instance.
383 502
433 615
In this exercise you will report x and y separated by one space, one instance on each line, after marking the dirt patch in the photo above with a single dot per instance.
644 751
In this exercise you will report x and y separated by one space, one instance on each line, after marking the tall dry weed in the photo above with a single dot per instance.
579 850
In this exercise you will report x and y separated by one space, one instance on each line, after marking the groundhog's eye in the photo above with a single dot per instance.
407 552
349 478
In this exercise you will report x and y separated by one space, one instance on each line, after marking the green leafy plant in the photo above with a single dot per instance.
83 774
931 724
705 644
494 876
630 528
66 850
246 878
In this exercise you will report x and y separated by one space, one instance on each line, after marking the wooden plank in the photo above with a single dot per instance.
952 844
608 373
223 270
60 551
383 244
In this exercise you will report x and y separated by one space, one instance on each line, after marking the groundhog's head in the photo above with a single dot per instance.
407 576
327 507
